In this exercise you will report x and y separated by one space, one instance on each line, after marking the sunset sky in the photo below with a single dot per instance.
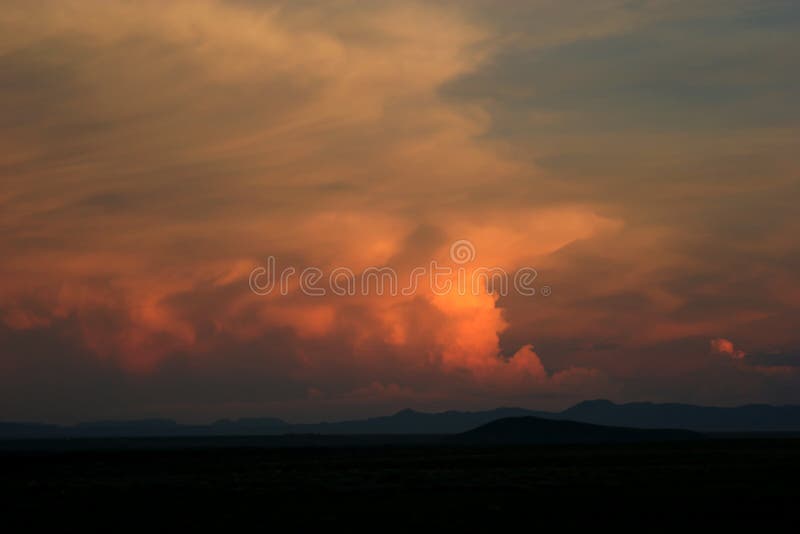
642 155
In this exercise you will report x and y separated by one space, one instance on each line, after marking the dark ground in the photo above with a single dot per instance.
155 484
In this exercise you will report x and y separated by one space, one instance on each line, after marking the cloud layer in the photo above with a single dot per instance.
641 157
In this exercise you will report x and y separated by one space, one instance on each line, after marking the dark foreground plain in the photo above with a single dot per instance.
387 485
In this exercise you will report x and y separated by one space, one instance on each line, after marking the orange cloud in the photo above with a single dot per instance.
725 347
154 153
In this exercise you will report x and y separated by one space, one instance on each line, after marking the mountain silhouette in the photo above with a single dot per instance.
644 415
414 422
536 430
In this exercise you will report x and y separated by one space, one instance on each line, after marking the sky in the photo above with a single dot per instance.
640 155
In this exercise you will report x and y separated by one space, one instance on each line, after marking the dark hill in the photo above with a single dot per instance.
414 422
535 430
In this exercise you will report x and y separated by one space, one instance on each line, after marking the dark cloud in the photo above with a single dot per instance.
774 359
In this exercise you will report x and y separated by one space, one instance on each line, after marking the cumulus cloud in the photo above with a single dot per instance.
174 146
725 347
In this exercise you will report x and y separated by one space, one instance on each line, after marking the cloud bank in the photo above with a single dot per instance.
641 157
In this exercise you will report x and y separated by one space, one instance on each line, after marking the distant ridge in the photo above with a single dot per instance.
646 415
402 422
748 418
144 428
539 431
